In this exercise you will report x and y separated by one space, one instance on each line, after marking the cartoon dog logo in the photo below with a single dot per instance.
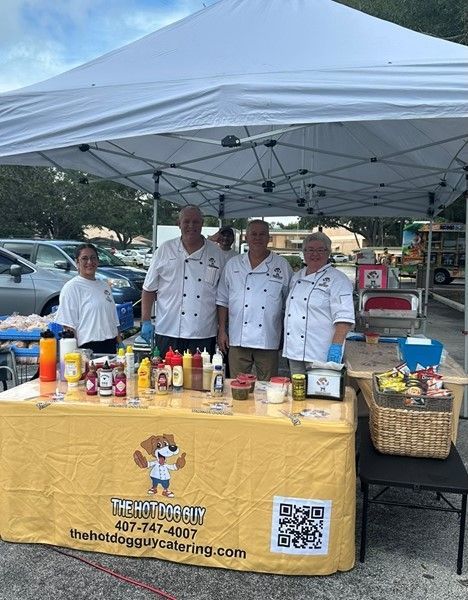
322 382
162 447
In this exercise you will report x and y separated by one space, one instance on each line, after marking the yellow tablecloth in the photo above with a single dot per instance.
362 360
263 487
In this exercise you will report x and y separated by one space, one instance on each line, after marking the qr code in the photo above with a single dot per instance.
300 526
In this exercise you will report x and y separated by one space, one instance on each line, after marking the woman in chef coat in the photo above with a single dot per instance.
319 308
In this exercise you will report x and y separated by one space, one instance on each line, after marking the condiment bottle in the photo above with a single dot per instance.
67 343
206 358
217 357
161 381
144 377
120 382
47 357
187 366
155 360
197 371
130 363
217 381
207 376
177 372
105 380
91 381
168 367
72 366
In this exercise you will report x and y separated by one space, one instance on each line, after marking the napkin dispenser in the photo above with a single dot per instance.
328 383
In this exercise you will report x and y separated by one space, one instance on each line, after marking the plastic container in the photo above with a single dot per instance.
129 363
207 376
120 382
144 374
91 381
251 379
72 368
372 338
67 344
240 389
105 380
187 366
47 357
276 393
426 355
177 372
197 371
217 381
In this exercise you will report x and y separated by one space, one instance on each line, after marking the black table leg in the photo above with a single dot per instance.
461 538
365 508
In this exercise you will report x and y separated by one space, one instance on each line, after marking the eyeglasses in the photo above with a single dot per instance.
315 251
92 259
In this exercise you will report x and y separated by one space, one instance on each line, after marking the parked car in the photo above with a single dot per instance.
58 255
26 288
339 257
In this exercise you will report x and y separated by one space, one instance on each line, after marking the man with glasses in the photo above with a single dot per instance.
252 293
319 309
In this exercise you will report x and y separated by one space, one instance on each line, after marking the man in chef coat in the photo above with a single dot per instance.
183 278
251 297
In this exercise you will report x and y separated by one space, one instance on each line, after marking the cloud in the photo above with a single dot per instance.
40 38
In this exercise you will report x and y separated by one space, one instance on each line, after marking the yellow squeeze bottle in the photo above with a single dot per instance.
144 374
72 369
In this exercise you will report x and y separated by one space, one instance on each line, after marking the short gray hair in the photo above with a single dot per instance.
318 236
189 207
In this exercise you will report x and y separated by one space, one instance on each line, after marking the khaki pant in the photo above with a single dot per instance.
241 360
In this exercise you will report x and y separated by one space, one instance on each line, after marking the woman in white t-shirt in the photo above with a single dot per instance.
87 307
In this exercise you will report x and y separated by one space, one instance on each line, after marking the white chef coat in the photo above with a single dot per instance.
159 471
255 300
186 287
315 304
88 307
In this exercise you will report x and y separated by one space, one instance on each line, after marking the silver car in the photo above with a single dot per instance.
26 288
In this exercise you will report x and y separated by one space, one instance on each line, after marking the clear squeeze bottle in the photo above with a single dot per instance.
130 363
217 381
177 372
187 365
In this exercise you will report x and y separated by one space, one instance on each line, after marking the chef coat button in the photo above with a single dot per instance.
246 306
302 337
186 260
289 314
248 288
287 333
184 295
305 299
185 277
201 262
268 274
199 279
264 290
292 297
183 312
195 314
245 322
259 324
299 281
263 308
198 295
303 317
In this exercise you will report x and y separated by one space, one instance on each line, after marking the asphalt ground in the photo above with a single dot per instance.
410 553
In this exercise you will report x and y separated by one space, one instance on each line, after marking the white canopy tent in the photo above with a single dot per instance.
261 107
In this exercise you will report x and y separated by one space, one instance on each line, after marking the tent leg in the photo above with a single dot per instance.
464 410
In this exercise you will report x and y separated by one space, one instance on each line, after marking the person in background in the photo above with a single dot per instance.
251 293
87 307
385 259
319 309
225 238
183 277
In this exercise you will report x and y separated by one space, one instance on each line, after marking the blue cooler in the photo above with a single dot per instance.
426 355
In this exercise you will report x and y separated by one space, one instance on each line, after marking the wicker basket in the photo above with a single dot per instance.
422 430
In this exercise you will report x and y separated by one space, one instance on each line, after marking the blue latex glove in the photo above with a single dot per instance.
335 353
147 331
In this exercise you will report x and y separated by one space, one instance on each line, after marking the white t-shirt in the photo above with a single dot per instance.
186 287
255 300
315 303
88 307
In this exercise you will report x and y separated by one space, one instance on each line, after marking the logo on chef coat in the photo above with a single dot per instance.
325 282
212 262
107 295
277 273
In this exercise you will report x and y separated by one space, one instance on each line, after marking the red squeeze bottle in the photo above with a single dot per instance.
197 370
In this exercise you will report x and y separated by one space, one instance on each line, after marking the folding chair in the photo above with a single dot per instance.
8 368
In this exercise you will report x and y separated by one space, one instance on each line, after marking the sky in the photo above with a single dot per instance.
42 38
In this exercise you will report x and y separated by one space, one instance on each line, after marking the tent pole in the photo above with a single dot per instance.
428 273
156 197
464 411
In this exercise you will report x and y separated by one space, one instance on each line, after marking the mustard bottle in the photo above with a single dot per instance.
144 374
72 367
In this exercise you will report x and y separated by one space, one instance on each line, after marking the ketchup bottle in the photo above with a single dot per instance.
197 371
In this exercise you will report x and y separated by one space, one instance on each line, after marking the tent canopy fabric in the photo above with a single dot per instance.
261 107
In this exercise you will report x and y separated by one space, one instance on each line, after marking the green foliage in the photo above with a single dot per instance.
295 262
